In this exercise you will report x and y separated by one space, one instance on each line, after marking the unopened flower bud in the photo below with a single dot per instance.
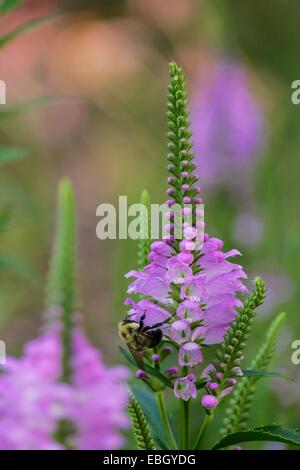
213 386
155 357
209 402
172 372
141 374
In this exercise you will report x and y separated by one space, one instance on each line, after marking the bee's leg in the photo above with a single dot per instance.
158 325
141 322
153 327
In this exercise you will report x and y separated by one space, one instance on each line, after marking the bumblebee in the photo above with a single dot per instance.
139 337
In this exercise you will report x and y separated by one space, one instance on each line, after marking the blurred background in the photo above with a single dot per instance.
92 87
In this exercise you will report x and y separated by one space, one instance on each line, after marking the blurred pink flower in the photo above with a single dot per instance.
33 400
248 229
227 127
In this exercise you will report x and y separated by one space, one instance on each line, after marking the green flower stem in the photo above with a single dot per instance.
205 423
164 415
184 424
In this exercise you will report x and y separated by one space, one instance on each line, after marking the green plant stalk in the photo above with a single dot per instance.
184 424
205 423
165 419
62 286
145 231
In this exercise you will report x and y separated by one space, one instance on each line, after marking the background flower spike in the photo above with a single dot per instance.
62 289
239 406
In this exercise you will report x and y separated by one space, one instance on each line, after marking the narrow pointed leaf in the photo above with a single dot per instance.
150 370
29 104
11 154
151 411
19 267
264 373
264 433
8 5
29 25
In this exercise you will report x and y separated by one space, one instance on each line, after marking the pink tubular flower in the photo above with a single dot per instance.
153 313
194 289
30 388
189 311
177 271
180 331
185 387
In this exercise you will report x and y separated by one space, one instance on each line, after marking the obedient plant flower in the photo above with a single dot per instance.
59 394
194 283
185 387
228 127
31 401
187 296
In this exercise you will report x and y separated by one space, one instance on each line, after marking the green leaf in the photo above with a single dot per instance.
11 154
5 215
264 433
7 5
29 25
19 267
140 425
151 411
28 105
264 373
150 370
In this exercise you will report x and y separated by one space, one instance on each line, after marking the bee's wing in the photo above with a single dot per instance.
137 356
